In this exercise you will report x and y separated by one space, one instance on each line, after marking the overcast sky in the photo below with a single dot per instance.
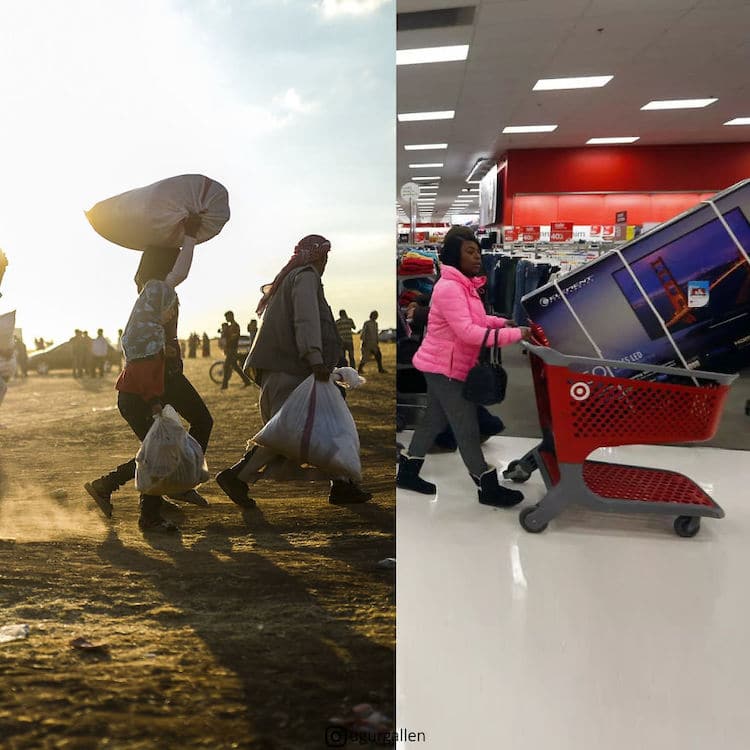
289 103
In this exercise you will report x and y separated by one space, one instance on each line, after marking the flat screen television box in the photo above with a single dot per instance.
696 279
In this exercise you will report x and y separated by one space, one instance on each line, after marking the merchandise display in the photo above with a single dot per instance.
678 295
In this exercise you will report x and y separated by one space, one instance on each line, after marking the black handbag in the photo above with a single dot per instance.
487 380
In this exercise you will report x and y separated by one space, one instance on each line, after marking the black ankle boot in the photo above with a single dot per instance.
101 491
492 493
408 476
234 488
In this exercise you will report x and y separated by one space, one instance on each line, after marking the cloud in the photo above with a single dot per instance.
290 101
334 8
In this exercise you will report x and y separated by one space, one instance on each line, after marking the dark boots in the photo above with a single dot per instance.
492 493
101 491
408 475
234 488
150 519
347 493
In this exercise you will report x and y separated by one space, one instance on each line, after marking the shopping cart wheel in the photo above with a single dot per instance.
687 526
527 521
517 472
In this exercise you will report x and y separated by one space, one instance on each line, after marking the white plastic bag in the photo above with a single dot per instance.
315 427
169 461
152 215
348 377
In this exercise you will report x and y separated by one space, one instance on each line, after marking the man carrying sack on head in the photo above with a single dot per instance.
298 337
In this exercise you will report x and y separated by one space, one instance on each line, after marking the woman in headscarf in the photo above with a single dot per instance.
153 375
298 338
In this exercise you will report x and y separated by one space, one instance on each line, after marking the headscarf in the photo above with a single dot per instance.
156 263
310 249
144 333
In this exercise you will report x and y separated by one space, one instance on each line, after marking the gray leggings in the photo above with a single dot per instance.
447 406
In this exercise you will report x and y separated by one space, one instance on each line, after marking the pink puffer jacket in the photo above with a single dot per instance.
456 327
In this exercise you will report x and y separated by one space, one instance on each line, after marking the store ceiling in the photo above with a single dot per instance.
656 49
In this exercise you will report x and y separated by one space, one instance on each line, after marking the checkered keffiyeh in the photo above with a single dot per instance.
310 249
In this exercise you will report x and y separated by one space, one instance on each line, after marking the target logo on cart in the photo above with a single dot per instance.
580 391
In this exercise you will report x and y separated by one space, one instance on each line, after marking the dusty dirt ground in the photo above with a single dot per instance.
244 632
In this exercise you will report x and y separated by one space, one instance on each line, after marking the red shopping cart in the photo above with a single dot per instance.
582 407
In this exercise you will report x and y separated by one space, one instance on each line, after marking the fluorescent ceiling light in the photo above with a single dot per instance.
427 195
427 147
679 103
614 139
417 179
422 55
448 114
473 190
738 121
581 82
427 165
529 128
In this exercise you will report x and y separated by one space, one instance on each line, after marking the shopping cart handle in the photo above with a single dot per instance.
553 357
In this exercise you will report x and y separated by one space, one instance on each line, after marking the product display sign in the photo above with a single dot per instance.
621 217
686 284
608 232
531 233
561 231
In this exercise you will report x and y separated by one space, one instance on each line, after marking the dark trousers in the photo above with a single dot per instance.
98 365
348 349
446 406
231 364
366 355
179 393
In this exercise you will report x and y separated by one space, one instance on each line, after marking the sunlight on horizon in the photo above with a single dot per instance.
100 98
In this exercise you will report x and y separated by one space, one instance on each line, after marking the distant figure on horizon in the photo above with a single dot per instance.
345 326
370 343
76 348
88 357
252 331
206 345
231 344
193 341
99 351
22 357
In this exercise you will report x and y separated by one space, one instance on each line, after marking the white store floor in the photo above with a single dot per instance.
602 633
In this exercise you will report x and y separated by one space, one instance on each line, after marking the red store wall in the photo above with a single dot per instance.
684 174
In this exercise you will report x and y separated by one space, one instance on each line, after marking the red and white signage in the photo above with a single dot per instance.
608 231
561 231
596 230
531 233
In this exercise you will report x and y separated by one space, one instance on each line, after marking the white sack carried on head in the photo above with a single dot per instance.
153 215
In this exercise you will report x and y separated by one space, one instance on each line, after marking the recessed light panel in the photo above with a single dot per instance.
447 114
581 82
529 129
679 103
613 139
423 55
427 147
